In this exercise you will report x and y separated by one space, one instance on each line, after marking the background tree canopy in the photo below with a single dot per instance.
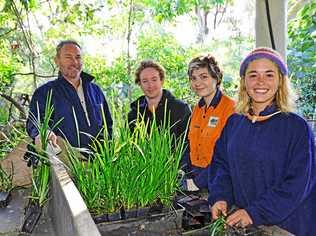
117 35
302 57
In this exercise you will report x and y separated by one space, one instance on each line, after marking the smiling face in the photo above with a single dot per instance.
69 62
150 82
203 84
262 82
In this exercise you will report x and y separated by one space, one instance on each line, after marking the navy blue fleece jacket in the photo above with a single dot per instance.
67 106
268 168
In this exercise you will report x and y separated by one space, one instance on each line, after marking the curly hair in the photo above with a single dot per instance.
149 64
208 62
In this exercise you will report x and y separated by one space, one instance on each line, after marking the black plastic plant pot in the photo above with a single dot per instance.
115 216
197 212
32 214
167 222
132 213
101 218
156 208
143 212
5 198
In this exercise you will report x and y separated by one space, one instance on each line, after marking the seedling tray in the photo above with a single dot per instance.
167 222
197 212
32 214
249 231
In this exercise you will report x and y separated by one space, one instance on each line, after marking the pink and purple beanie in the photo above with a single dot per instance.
267 53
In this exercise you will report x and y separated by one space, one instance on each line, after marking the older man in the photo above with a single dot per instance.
76 100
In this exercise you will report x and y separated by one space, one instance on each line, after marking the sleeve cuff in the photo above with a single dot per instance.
255 216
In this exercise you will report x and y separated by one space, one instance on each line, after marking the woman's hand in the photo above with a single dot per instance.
239 218
219 207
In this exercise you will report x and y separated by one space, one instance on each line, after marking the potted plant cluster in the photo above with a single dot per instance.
133 176
5 186
38 160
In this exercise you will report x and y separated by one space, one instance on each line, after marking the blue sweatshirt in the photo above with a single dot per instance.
66 102
268 168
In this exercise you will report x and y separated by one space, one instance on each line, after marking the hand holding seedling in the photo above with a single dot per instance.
219 208
239 218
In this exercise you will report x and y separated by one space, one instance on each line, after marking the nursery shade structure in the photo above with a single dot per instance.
278 15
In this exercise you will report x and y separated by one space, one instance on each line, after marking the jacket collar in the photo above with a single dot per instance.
267 113
215 101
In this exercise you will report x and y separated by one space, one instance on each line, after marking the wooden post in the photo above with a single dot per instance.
278 14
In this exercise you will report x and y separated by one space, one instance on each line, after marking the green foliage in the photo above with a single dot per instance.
302 57
8 65
139 162
164 49
11 141
217 227
97 66
114 78
28 4
229 53
6 179
41 173
4 115
169 9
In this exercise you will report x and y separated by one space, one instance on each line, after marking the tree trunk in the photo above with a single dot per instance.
15 103
203 29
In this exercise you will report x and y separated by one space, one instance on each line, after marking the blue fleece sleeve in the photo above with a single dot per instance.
219 178
282 199
201 179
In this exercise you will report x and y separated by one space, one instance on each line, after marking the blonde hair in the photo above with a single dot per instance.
284 98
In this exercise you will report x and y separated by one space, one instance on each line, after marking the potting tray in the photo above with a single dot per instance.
251 231
197 212
168 222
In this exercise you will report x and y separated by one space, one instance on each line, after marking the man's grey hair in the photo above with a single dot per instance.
65 42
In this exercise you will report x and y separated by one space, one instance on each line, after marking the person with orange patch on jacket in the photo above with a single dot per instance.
208 119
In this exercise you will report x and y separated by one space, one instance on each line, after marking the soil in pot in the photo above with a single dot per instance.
247 231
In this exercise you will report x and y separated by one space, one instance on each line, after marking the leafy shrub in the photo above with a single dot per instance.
302 57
